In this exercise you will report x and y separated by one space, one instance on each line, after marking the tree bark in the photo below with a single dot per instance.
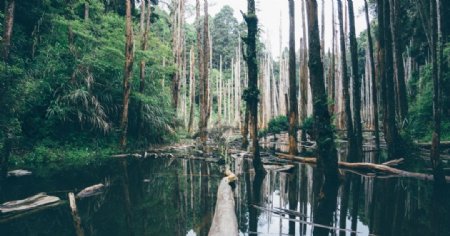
373 77
293 108
145 28
327 154
356 84
392 136
8 27
402 99
204 98
437 62
192 89
128 75
303 75
345 82
252 93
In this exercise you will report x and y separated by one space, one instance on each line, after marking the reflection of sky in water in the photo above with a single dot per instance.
274 224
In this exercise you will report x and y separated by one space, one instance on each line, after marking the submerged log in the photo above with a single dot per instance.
443 144
91 191
30 203
76 219
225 221
18 173
364 167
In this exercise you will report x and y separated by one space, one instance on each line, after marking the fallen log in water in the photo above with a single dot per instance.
91 191
225 221
18 173
76 219
443 144
364 166
30 203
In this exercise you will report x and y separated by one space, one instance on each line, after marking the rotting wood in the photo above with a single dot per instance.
225 220
29 203
91 191
76 219
10 217
364 166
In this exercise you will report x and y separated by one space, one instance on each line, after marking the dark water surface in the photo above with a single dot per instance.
177 197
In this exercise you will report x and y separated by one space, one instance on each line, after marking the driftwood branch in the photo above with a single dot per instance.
364 167
76 219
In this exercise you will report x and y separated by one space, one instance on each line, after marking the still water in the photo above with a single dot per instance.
177 197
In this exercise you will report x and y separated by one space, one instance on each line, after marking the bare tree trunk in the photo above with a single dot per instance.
392 136
293 108
322 38
192 89
332 79
356 84
327 154
345 83
303 74
145 29
252 93
219 105
8 27
373 77
437 45
204 101
401 98
128 75
86 11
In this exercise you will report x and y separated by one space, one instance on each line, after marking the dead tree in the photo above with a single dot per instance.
399 70
345 81
128 74
356 83
437 45
204 67
373 77
293 108
191 89
326 151
251 94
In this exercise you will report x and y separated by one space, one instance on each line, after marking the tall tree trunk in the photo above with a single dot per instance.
332 79
322 38
373 77
192 88
8 27
392 136
204 101
252 93
303 74
326 151
345 82
128 74
385 74
356 84
437 45
402 99
145 28
293 108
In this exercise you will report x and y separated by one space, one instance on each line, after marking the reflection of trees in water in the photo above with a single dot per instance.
326 197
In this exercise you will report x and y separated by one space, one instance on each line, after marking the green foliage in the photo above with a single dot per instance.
62 86
224 33
278 124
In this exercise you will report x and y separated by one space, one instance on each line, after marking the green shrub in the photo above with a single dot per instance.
278 124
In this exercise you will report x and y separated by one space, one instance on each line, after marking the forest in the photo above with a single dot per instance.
189 117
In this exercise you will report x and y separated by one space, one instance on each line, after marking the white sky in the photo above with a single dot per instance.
268 12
